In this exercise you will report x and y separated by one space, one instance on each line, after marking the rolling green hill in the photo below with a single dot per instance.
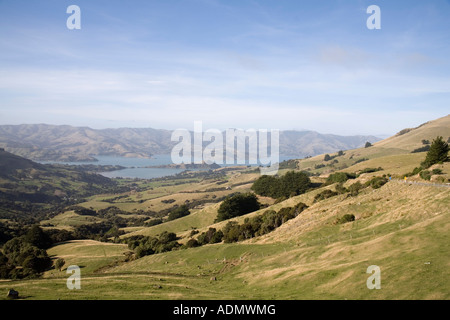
403 143
26 187
401 227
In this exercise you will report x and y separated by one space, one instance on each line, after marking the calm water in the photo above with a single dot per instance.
134 166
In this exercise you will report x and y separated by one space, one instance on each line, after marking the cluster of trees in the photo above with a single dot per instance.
252 227
327 157
237 205
100 231
288 164
325 194
291 184
437 153
353 189
426 174
369 170
339 177
260 225
25 256
208 237
144 246
179 212
377 182
421 149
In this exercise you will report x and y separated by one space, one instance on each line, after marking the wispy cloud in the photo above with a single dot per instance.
279 65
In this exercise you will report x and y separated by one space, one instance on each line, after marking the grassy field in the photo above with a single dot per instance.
402 228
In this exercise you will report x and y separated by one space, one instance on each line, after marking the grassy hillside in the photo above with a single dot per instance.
402 227
27 188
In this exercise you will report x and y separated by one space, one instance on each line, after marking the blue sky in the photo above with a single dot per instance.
273 64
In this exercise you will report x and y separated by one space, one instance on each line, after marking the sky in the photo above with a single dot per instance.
261 64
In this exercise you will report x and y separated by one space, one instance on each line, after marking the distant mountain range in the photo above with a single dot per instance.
42 142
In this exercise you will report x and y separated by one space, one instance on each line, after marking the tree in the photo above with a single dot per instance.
438 153
368 144
210 236
339 177
36 237
324 195
327 157
294 183
346 218
237 205
354 188
291 184
231 232
192 243
59 263
179 212
266 186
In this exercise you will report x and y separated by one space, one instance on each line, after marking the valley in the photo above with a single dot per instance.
400 225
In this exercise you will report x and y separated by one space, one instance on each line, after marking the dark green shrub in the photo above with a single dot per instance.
192 243
436 171
421 149
143 250
369 170
377 182
324 195
259 225
217 237
339 177
144 246
153 222
179 212
288 164
360 160
266 186
237 205
425 174
210 236
340 188
292 183
37 237
355 188
346 218
231 232
85 212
